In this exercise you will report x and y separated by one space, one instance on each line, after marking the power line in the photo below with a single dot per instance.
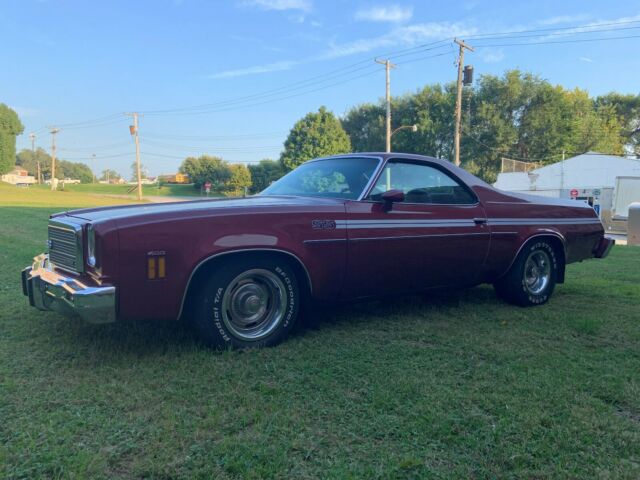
176 157
553 42
169 136
207 147
349 69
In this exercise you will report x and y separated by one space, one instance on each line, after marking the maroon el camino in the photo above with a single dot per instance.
337 228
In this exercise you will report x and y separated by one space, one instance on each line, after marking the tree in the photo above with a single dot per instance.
627 110
316 135
264 173
10 128
108 175
75 170
517 115
207 168
28 160
239 180
134 171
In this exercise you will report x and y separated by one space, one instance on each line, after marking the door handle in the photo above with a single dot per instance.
480 221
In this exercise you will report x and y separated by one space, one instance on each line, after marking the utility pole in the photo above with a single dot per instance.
463 46
388 66
133 129
54 131
32 137
93 166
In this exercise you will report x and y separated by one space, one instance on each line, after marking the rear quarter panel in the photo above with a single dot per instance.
516 219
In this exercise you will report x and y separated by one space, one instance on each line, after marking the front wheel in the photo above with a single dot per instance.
532 277
247 302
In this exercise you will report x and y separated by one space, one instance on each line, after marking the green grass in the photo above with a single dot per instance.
108 189
450 385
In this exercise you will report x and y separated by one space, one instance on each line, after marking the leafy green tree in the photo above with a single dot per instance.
207 168
517 115
134 171
64 169
365 126
316 135
109 175
627 111
239 180
28 160
264 173
10 128
74 170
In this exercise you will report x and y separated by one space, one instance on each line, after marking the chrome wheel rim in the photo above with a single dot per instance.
254 304
537 272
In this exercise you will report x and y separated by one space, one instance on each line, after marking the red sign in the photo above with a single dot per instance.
208 186
573 193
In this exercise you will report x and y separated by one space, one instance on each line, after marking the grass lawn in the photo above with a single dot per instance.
451 385
107 189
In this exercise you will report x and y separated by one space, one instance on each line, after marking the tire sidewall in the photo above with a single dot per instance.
210 316
542 297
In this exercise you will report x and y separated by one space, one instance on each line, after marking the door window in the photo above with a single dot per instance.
421 184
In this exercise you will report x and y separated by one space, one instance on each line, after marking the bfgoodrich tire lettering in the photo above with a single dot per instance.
247 302
532 277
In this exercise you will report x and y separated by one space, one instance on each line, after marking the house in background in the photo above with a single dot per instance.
591 177
18 176
175 178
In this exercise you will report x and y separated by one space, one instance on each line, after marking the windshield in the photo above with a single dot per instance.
334 177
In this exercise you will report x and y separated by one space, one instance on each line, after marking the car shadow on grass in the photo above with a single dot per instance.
148 338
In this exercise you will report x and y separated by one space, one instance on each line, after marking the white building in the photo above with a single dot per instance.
18 176
590 177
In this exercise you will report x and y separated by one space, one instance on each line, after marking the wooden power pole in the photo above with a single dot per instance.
32 137
54 131
463 46
134 131
388 66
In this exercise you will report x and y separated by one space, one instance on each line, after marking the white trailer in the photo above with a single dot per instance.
627 191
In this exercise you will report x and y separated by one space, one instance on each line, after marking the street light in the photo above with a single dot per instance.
414 128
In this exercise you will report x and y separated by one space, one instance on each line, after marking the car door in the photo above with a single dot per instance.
436 237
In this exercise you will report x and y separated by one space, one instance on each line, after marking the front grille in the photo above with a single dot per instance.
65 247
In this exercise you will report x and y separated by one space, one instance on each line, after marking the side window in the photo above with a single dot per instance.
421 184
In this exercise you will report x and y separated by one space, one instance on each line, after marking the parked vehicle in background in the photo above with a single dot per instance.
338 228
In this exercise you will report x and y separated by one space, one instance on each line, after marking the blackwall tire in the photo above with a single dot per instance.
247 302
532 278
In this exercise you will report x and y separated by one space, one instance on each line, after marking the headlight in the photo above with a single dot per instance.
91 246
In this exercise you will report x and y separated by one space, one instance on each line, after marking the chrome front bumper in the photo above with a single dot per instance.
49 290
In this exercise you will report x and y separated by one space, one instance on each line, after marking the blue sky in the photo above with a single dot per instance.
66 62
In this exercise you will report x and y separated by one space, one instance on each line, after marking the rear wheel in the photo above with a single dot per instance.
247 302
532 277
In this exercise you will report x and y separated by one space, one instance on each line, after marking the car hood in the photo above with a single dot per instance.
258 202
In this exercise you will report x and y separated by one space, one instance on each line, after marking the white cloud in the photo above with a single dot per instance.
303 5
593 26
401 36
564 19
255 70
390 13
586 59
493 56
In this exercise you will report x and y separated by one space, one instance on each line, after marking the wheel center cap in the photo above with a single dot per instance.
253 304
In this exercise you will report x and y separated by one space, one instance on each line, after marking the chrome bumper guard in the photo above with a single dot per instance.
49 290
604 247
